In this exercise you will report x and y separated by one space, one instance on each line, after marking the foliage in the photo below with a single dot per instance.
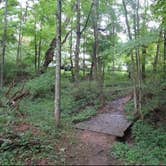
149 146
86 94
80 101
42 85
84 115
17 73
153 96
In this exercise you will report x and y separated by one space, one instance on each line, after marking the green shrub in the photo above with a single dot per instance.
42 86
17 72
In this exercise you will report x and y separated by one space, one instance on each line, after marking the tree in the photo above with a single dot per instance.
78 38
156 58
58 66
4 44
132 57
22 16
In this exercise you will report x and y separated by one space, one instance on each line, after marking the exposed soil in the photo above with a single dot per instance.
25 127
94 148
39 162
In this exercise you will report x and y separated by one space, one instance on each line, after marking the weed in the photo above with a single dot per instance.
149 147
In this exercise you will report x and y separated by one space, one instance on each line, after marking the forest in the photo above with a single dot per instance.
82 82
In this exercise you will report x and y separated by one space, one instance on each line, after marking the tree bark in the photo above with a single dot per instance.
39 52
143 62
36 46
138 60
50 53
164 51
20 34
83 60
71 55
95 45
19 42
4 45
157 53
78 37
132 57
58 66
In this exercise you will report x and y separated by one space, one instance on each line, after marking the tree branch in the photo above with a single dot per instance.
67 34
87 20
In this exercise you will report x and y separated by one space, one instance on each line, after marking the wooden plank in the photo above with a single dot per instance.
108 123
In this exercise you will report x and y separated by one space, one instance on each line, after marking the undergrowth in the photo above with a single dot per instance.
149 146
149 136
78 103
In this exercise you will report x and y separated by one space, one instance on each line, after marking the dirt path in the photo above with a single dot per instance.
93 148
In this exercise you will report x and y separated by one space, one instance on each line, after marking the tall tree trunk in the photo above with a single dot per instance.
20 33
19 43
113 45
95 46
39 52
97 64
133 75
71 55
36 46
78 37
143 62
83 62
138 62
4 45
91 69
164 50
157 53
58 66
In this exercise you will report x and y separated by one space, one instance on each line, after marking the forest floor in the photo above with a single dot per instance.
28 136
94 148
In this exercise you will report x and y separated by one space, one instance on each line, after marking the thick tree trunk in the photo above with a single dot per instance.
50 53
4 45
58 66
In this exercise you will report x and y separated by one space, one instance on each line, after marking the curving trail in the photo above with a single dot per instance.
93 148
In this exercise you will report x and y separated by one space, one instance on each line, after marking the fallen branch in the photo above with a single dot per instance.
13 99
6 144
